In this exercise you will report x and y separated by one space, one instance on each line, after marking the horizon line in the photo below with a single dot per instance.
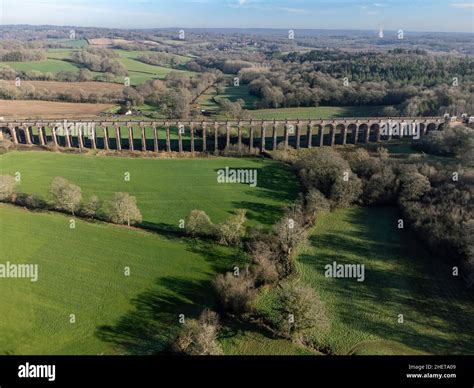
231 28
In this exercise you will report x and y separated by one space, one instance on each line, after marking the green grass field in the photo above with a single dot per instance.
140 72
45 66
315 113
61 53
166 189
73 43
134 54
242 338
401 277
81 272
208 100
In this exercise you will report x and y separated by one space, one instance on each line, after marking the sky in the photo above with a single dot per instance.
408 15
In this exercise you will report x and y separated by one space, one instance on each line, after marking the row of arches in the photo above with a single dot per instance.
178 137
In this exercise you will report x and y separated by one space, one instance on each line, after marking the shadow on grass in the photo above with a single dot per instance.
401 278
153 321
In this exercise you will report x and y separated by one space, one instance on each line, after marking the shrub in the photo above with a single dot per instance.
315 203
298 309
264 263
235 293
454 141
381 187
324 169
413 186
34 202
232 230
5 142
443 219
90 208
199 337
198 223
290 230
363 164
7 187
235 150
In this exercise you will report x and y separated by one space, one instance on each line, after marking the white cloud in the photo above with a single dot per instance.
462 5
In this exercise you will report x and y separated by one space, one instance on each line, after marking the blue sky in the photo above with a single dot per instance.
409 15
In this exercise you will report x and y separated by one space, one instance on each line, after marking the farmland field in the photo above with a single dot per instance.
209 99
140 72
32 109
170 275
316 112
45 66
401 277
166 189
81 272
59 87
135 54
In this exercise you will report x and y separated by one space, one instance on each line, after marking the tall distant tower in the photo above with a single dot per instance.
381 33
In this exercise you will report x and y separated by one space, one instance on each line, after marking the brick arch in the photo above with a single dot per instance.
362 132
374 132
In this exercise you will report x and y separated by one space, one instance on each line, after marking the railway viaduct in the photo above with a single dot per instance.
212 136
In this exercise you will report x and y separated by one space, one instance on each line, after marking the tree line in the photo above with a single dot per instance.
100 60
67 197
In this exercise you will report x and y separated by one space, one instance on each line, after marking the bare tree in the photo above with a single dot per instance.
264 262
198 223
66 196
233 229
123 209
7 187
90 208
235 293
199 337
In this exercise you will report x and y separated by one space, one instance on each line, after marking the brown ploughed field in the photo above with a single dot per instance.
34 109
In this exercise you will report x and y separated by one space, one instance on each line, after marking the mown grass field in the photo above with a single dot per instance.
209 99
315 112
401 277
59 60
60 87
140 72
166 189
45 66
82 272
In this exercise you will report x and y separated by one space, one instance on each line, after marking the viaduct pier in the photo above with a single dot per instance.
213 136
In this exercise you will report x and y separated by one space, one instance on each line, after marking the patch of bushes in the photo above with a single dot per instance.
198 223
8 186
325 170
455 140
199 337
230 232
235 293
233 150
297 310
